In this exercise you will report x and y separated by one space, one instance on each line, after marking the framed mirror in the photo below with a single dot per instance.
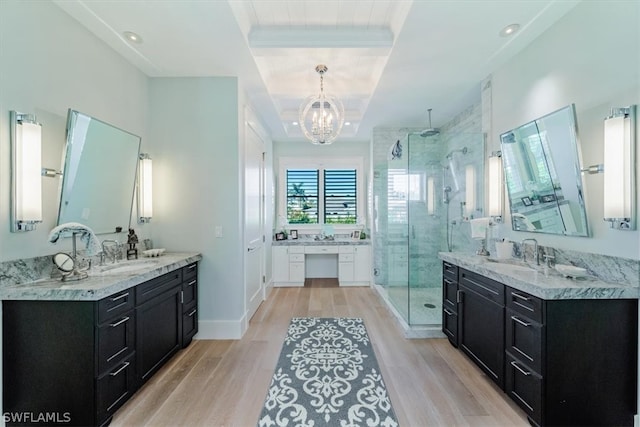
541 161
99 177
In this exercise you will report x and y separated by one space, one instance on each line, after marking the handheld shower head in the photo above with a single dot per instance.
431 131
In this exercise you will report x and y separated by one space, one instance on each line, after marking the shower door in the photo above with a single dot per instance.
424 292
413 230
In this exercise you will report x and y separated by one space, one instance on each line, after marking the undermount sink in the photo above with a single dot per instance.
509 265
514 267
125 267
571 271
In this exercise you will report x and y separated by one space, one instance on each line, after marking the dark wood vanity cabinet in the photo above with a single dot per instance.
76 362
572 362
159 322
189 303
450 302
564 362
481 322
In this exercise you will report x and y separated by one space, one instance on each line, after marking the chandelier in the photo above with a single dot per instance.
321 116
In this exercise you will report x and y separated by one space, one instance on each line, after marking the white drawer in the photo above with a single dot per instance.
296 249
345 257
296 257
345 249
321 250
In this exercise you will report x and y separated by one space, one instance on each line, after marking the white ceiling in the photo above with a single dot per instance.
388 60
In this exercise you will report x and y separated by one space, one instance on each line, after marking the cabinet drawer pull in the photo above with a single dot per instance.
120 322
122 368
191 283
192 313
522 297
449 312
459 296
119 297
191 267
522 371
447 281
520 321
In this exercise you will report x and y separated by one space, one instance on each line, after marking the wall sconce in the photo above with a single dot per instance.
145 188
26 169
431 197
495 185
619 168
470 190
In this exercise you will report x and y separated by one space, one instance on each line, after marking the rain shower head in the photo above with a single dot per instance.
431 131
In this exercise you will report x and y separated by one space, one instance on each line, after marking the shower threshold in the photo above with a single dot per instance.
410 331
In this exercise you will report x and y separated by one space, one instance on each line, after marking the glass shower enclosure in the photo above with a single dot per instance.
420 196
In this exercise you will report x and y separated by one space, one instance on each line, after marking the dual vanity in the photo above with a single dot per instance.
75 352
565 350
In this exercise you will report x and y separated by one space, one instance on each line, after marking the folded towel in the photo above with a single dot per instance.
87 236
479 227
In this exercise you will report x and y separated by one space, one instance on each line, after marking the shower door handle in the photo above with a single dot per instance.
413 231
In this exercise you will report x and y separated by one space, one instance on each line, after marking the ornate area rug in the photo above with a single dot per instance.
327 375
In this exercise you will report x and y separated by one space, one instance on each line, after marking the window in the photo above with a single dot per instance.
327 192
302 196
340 199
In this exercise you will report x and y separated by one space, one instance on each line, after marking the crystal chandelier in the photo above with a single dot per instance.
321 116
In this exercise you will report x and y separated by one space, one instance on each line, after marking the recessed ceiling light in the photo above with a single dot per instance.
509 30
295 123
347 123
132 37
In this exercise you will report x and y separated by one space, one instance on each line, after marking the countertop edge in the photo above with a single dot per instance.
309 242
96 287
552 287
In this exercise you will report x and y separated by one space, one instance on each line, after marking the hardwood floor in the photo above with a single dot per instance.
224 383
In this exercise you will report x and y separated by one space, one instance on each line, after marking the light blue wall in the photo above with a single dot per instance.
591 58
46 73
194 134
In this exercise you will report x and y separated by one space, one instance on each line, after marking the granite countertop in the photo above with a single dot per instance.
532 280
99 284
312 242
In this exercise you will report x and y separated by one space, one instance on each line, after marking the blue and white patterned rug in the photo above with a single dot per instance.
327 375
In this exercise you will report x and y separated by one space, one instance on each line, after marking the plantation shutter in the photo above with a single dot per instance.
302 196
340 196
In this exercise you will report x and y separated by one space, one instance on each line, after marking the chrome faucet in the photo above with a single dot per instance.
113 253
535 250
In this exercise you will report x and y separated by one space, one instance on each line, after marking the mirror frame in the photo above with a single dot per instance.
558 208
123 172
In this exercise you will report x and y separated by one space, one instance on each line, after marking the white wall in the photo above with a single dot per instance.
338 150
49 63
590 58
195 134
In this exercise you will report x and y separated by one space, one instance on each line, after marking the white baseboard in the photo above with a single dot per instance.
221 329
636 420
354 284
288 284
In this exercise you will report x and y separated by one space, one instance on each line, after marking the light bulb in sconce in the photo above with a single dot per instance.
26 171
470 191
619 168
431 198
145 188
495 185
